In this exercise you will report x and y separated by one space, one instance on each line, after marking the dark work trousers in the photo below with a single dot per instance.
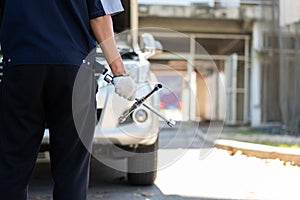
30 97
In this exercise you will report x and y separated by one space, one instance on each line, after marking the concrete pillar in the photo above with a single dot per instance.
134 21
191 78
256 109
256 74
246 81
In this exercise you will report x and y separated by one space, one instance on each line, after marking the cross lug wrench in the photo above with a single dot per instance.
138 102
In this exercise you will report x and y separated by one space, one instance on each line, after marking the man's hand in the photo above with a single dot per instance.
125 87
103 30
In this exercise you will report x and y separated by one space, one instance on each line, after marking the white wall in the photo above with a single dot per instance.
289 12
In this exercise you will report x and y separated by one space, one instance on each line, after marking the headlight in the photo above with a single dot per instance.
140 116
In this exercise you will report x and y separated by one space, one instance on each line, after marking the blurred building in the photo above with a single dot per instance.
224 30
238 56
275 68
288 43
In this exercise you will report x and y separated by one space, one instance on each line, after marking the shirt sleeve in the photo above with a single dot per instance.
95 8
112 7
98 8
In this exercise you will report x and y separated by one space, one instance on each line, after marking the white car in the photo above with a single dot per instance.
137 137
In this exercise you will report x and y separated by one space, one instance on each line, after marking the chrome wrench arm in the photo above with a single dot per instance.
108 78
170 122
138 103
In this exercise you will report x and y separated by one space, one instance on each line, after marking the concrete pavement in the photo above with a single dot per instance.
252 144
183 175
291 155
233 139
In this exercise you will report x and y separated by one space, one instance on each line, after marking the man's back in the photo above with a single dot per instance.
47 31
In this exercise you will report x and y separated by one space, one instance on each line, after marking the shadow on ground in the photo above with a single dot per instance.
105 183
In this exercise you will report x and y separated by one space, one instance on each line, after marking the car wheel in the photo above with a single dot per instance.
142 167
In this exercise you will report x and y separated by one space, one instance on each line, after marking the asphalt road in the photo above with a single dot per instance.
189 168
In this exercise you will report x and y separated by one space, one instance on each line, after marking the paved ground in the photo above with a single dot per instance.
218 176
256 143
258 138
189 168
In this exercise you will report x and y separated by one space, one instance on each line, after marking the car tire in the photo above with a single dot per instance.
142 167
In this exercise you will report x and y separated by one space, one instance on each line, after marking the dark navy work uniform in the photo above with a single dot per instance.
43 43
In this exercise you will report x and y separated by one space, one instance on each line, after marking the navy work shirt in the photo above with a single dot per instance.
50 31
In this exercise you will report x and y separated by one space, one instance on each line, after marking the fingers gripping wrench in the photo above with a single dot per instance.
139 102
